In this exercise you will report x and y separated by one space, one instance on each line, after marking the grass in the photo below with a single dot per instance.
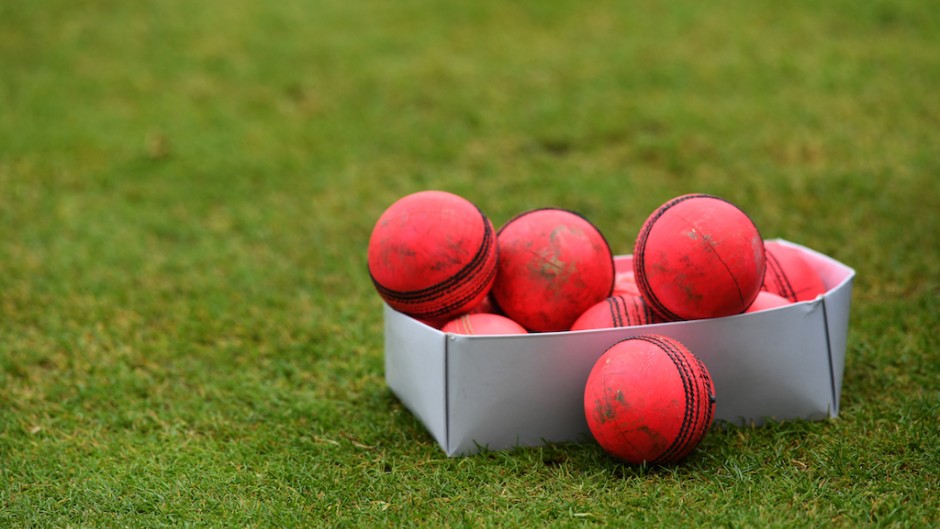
188 336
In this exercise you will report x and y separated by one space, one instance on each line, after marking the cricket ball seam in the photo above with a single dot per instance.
648 313
441 310
465 324
633 316
642 313
685 437
615 314
639 255
478 288
780 280
625 316
709 387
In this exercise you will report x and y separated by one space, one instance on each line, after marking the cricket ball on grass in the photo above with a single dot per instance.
616 311
648 399
483 323
789 275
432 255
553 265
699 256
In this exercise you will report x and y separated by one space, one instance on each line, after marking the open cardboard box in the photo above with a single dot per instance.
500 392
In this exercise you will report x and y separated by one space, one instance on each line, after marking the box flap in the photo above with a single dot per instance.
838 279
518 390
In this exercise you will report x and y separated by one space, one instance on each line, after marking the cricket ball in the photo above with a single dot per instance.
487 305
699 256
553 265
648 399
625 283
766 300
789 275
483 323
616 311
432 255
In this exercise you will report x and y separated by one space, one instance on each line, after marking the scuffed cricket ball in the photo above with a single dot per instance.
553 265
648 399
699 256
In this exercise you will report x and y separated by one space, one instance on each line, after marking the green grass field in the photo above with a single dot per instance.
189 336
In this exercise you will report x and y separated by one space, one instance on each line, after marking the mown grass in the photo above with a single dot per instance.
188 336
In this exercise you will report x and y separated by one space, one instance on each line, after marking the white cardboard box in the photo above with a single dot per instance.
500 392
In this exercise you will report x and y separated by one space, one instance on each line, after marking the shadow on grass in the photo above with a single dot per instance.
726 446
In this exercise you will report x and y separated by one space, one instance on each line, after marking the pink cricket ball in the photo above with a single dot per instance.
483 323
699 256
432 255
553 265
616 311
625 284
766 300
649 399
789 275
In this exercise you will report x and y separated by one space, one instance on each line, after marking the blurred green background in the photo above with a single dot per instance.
189 337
